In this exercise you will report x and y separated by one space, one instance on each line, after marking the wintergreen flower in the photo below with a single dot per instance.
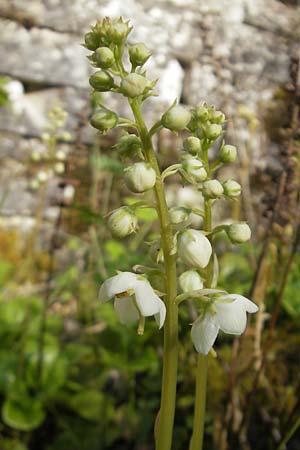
194 248
227 313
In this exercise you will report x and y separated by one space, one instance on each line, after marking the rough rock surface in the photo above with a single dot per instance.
226 52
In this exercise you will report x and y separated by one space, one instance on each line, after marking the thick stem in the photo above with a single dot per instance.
170 361
196 442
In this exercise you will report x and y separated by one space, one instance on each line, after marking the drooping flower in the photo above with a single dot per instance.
194 248
133 298
227 313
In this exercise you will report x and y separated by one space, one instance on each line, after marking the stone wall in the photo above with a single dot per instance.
226 52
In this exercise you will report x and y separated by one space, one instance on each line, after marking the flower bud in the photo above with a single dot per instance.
92 40
101 81
60 155
104 57
35 155
133 85
213 131
232 188
122 222
176 118
139 54
239 232
42 176
59 168
34 184
104 119
190 281
194 248
128 145
178 214
119 30
140 177
202 113
218 117
195 168
227 154
212 189
192 145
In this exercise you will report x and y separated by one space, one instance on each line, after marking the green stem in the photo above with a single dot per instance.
170 360
196 442
289 434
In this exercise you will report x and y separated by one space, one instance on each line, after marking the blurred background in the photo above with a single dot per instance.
71 377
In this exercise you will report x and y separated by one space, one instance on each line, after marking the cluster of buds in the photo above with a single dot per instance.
52 159
106 40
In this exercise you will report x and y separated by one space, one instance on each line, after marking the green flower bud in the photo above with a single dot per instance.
239 232
176 118
190 281
122 222
212 189
101 81
178 214
232 188
104 119
133 85
140 177
227 154
129 145
194 167
139 54
104 57
92 40
218 117
192 145
119 31
202 113
213 131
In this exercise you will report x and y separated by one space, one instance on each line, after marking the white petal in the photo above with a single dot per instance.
116 285
126 310
147 301
204 333
231 317
161 315
249 306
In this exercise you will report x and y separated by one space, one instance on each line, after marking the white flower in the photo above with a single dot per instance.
226 313
133 298
190 281
194 248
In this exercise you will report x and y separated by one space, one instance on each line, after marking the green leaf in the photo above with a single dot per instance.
6 269
114 249
24 413
88 404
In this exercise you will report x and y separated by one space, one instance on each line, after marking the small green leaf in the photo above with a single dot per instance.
88 404
24 413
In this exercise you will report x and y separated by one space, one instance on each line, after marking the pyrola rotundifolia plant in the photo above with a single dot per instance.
133 296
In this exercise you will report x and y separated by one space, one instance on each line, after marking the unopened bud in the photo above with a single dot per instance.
140 177
176 118
212 189
101 81
60 155
34 184
239 232
104 119
194 248
129 145
190 281
178 214
195 168
202 113
227 154
104 57
218 117
59 168
119 31
92 40
139 54
42 176
133 85
122 222
35 156
232 188
213 131
192 145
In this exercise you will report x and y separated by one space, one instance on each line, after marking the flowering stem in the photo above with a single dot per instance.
196 442
170 360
